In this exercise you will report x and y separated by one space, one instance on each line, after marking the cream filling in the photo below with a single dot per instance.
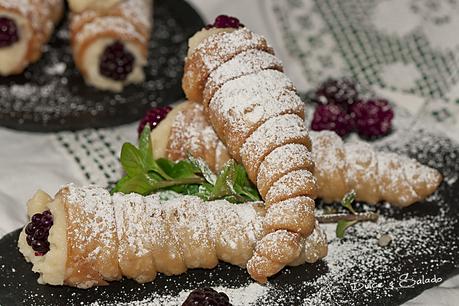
81 5
12 57
51 266
199 36
160 135
91 60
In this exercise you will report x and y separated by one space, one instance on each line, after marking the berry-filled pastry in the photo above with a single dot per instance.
85 237
25 27
255 110
339 167
98 5
110 47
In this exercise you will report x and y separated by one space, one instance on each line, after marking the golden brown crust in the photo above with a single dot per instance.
295 215
108 237
279 162
210 54
374 176
254 110
274 133
129 22
245 63
92 253
192 134
42 17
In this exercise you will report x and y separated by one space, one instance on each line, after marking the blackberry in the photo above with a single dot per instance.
153 117
225 21
206 297
339 91
372 118
116 62
37 232
332 117
9 33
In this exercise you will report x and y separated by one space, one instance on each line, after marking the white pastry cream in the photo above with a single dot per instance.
50 266
12 57
91 59
199 36
160 135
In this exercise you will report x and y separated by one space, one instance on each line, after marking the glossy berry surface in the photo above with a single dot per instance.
225 21
37 232
153 117
206 297
9 33
332 117
338 91
372 118
116 62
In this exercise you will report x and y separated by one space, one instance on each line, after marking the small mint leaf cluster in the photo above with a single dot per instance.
146 175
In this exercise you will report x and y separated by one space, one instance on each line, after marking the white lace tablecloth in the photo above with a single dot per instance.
408 50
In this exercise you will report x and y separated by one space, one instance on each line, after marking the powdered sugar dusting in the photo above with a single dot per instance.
245 63
281 160
226 44
373 175
247 102
299 182
117 24
240 296
270 135
191 133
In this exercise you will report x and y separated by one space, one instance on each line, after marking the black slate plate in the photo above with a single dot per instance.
51 95
423 253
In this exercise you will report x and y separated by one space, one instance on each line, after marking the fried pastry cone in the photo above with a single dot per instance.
110 47
97 238
25 27
79 6
374 176
255 110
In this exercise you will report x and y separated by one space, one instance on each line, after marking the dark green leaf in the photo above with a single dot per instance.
141 184
205 170
145 148
131 160
186 189
119 184
342 226
224 181
181 169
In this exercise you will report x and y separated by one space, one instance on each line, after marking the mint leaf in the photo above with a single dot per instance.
243 186
175 170
145 175
342 226
141 184
145 147
347 201
119 185
204 168
223 182
131 160
233 185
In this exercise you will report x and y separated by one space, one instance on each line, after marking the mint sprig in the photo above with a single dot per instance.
343 225
145 175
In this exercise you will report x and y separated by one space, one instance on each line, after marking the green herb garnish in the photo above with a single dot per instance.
145 175
342 225
347 201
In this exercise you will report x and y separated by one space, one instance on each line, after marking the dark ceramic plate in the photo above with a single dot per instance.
423 253
51 95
